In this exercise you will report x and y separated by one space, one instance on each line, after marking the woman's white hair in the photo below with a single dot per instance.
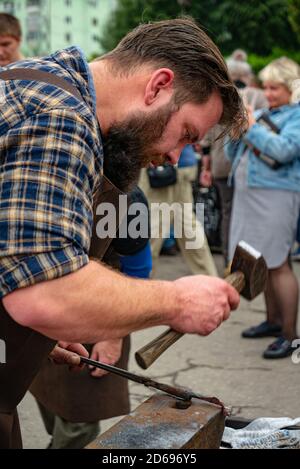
284 71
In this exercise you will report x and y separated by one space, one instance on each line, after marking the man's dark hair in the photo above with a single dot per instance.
10 26
199 68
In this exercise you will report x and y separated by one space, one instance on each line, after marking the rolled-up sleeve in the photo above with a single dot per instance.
46 184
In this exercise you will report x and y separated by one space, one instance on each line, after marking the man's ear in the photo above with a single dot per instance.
159 86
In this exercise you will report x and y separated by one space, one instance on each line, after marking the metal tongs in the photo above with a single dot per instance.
183 396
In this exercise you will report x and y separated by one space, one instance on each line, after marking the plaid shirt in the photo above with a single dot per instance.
50 164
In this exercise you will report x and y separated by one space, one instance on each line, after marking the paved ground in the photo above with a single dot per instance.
222 364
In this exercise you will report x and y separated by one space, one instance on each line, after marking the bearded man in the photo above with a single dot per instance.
164 86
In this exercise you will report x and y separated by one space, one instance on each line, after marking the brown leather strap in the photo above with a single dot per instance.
107 192
39 75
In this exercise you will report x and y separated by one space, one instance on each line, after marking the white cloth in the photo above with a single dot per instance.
265 433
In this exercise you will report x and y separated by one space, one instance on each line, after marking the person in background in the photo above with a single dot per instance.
267 200
10 39
200 260
169 247
215 166
295 256
239 55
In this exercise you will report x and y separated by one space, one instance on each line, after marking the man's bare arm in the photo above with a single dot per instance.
96 303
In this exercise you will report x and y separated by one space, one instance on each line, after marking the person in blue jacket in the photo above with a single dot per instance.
266 176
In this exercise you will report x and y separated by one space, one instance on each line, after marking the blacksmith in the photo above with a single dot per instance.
165 85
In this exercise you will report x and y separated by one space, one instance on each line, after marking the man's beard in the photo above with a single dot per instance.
129 146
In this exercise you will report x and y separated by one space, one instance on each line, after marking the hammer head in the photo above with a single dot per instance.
249 261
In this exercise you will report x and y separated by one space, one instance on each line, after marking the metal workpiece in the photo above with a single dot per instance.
159 424
179 393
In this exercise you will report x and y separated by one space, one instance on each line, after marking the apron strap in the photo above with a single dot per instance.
40 75
107 192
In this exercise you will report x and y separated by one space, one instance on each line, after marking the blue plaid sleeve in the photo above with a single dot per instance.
47 176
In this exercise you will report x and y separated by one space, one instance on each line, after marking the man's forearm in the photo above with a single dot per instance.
96 303
93 304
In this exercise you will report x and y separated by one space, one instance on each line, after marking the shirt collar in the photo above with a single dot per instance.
74 61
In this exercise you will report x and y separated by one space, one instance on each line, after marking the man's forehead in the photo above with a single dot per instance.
200 117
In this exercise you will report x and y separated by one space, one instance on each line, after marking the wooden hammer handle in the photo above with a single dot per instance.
147 355
236 280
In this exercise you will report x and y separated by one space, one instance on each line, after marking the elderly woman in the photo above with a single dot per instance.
266 174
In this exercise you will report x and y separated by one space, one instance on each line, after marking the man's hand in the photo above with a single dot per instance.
108 352
205 302
65 353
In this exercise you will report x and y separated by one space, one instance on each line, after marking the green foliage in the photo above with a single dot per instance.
249 24
130 13
258 62
294 16
254 25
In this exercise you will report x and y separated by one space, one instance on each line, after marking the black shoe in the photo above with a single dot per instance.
281 348
265 329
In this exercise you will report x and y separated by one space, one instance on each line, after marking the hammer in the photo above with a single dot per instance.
248 276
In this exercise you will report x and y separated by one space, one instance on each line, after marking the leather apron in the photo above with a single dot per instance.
27 350
78 397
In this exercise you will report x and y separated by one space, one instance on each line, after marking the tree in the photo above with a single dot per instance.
250 24
130 13
294 16
254 25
